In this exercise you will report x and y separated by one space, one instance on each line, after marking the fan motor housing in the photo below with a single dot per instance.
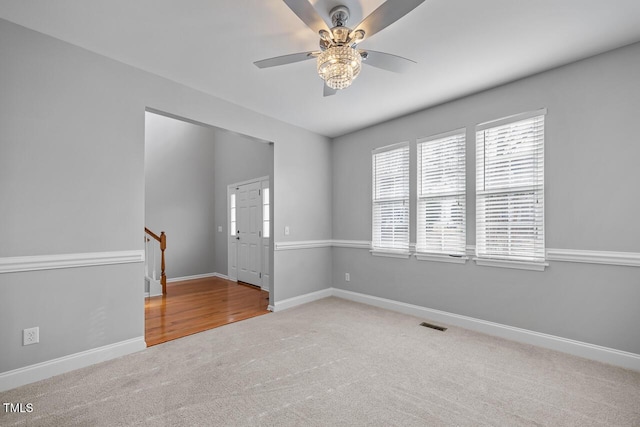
339 15
340 34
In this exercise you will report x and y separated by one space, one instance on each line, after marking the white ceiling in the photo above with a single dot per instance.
461 46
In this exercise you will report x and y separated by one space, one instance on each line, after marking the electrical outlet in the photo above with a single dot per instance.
347 277
219 229
286 230
31 336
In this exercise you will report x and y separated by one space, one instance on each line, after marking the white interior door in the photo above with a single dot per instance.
249 233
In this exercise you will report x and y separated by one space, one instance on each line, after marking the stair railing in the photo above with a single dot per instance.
162 239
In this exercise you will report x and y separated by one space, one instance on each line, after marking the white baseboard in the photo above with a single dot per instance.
50 368
302 299
153 294
194 277
155 288
577 348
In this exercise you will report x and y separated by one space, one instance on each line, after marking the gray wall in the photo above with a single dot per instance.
591 203
308 207
179 196
237 159
187 170
72 181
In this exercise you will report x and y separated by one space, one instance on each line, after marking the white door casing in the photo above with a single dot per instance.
266 227
246 248
232 224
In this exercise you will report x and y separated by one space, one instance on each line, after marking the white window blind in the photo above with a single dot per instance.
510 188
441 194
391 198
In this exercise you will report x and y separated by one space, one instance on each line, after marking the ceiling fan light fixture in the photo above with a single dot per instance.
339 60
356 36
338 66
325 35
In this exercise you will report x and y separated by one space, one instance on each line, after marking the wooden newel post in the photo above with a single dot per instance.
163 276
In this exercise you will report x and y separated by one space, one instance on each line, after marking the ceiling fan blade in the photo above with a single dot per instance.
387 61
307 14
385 15
285 59
328 91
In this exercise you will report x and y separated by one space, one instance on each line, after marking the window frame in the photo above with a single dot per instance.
456 138
512 196
405 199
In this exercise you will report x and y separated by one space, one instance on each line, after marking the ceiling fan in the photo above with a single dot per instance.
339 59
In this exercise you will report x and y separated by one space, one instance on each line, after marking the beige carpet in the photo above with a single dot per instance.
334 362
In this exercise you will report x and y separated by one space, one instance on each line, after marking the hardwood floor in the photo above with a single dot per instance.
197 305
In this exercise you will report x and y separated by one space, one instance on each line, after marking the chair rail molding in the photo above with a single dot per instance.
357 244
51 262
631 259
302 244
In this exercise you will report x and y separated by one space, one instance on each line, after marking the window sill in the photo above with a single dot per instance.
462 259
390 253
520 265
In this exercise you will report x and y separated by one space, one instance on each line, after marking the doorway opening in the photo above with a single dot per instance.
189 169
